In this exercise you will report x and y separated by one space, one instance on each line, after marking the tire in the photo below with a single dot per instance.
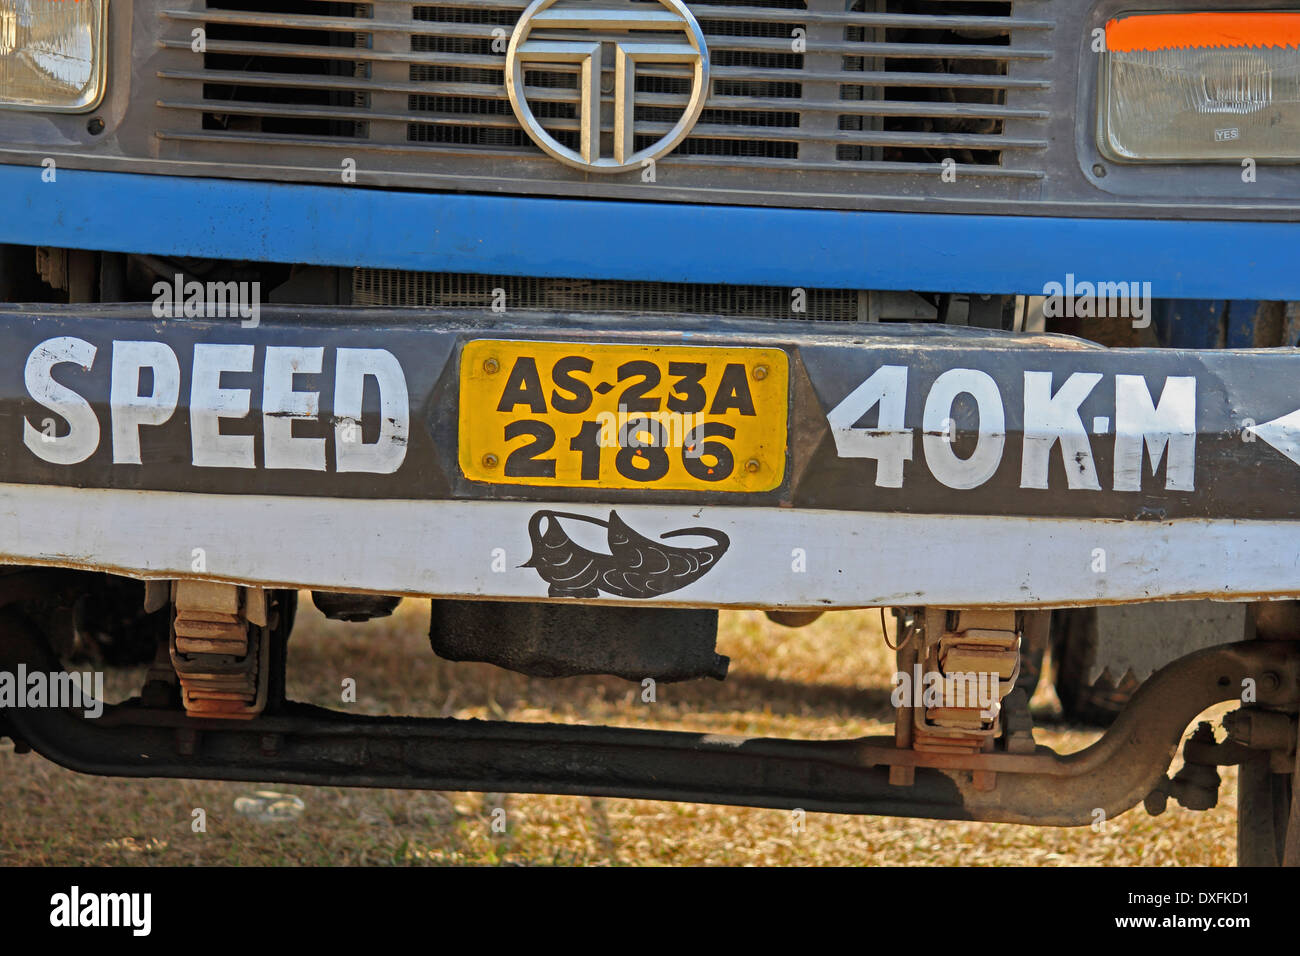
1031 670
283 611
1074 648
1036 629
1263 809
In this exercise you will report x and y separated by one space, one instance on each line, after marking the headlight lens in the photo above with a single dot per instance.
1202 86
51 54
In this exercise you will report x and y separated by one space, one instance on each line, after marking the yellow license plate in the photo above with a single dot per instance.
578 415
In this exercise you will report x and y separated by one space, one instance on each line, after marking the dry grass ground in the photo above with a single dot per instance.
826 680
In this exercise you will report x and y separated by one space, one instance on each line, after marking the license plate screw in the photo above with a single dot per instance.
752 465
489 460
491 366
760 373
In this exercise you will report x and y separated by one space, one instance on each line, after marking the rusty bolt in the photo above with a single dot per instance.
1271 681
752 465
491 366
489 460
760 372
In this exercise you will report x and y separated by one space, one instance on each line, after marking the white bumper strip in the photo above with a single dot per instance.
776 557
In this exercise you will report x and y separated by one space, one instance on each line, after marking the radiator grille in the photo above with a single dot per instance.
391 287
805 95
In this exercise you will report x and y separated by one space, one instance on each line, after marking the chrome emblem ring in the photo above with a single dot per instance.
553 32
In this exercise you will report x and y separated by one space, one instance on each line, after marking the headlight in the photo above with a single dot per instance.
1201 86
51 54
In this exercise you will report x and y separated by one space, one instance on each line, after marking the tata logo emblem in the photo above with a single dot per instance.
589 38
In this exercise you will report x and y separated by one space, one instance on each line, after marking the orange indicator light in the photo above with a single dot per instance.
1173 31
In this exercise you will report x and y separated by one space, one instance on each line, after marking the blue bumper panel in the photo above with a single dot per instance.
357 226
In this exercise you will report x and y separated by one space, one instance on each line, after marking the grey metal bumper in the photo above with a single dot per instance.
1007 470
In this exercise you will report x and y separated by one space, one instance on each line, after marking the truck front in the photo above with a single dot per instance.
588 318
